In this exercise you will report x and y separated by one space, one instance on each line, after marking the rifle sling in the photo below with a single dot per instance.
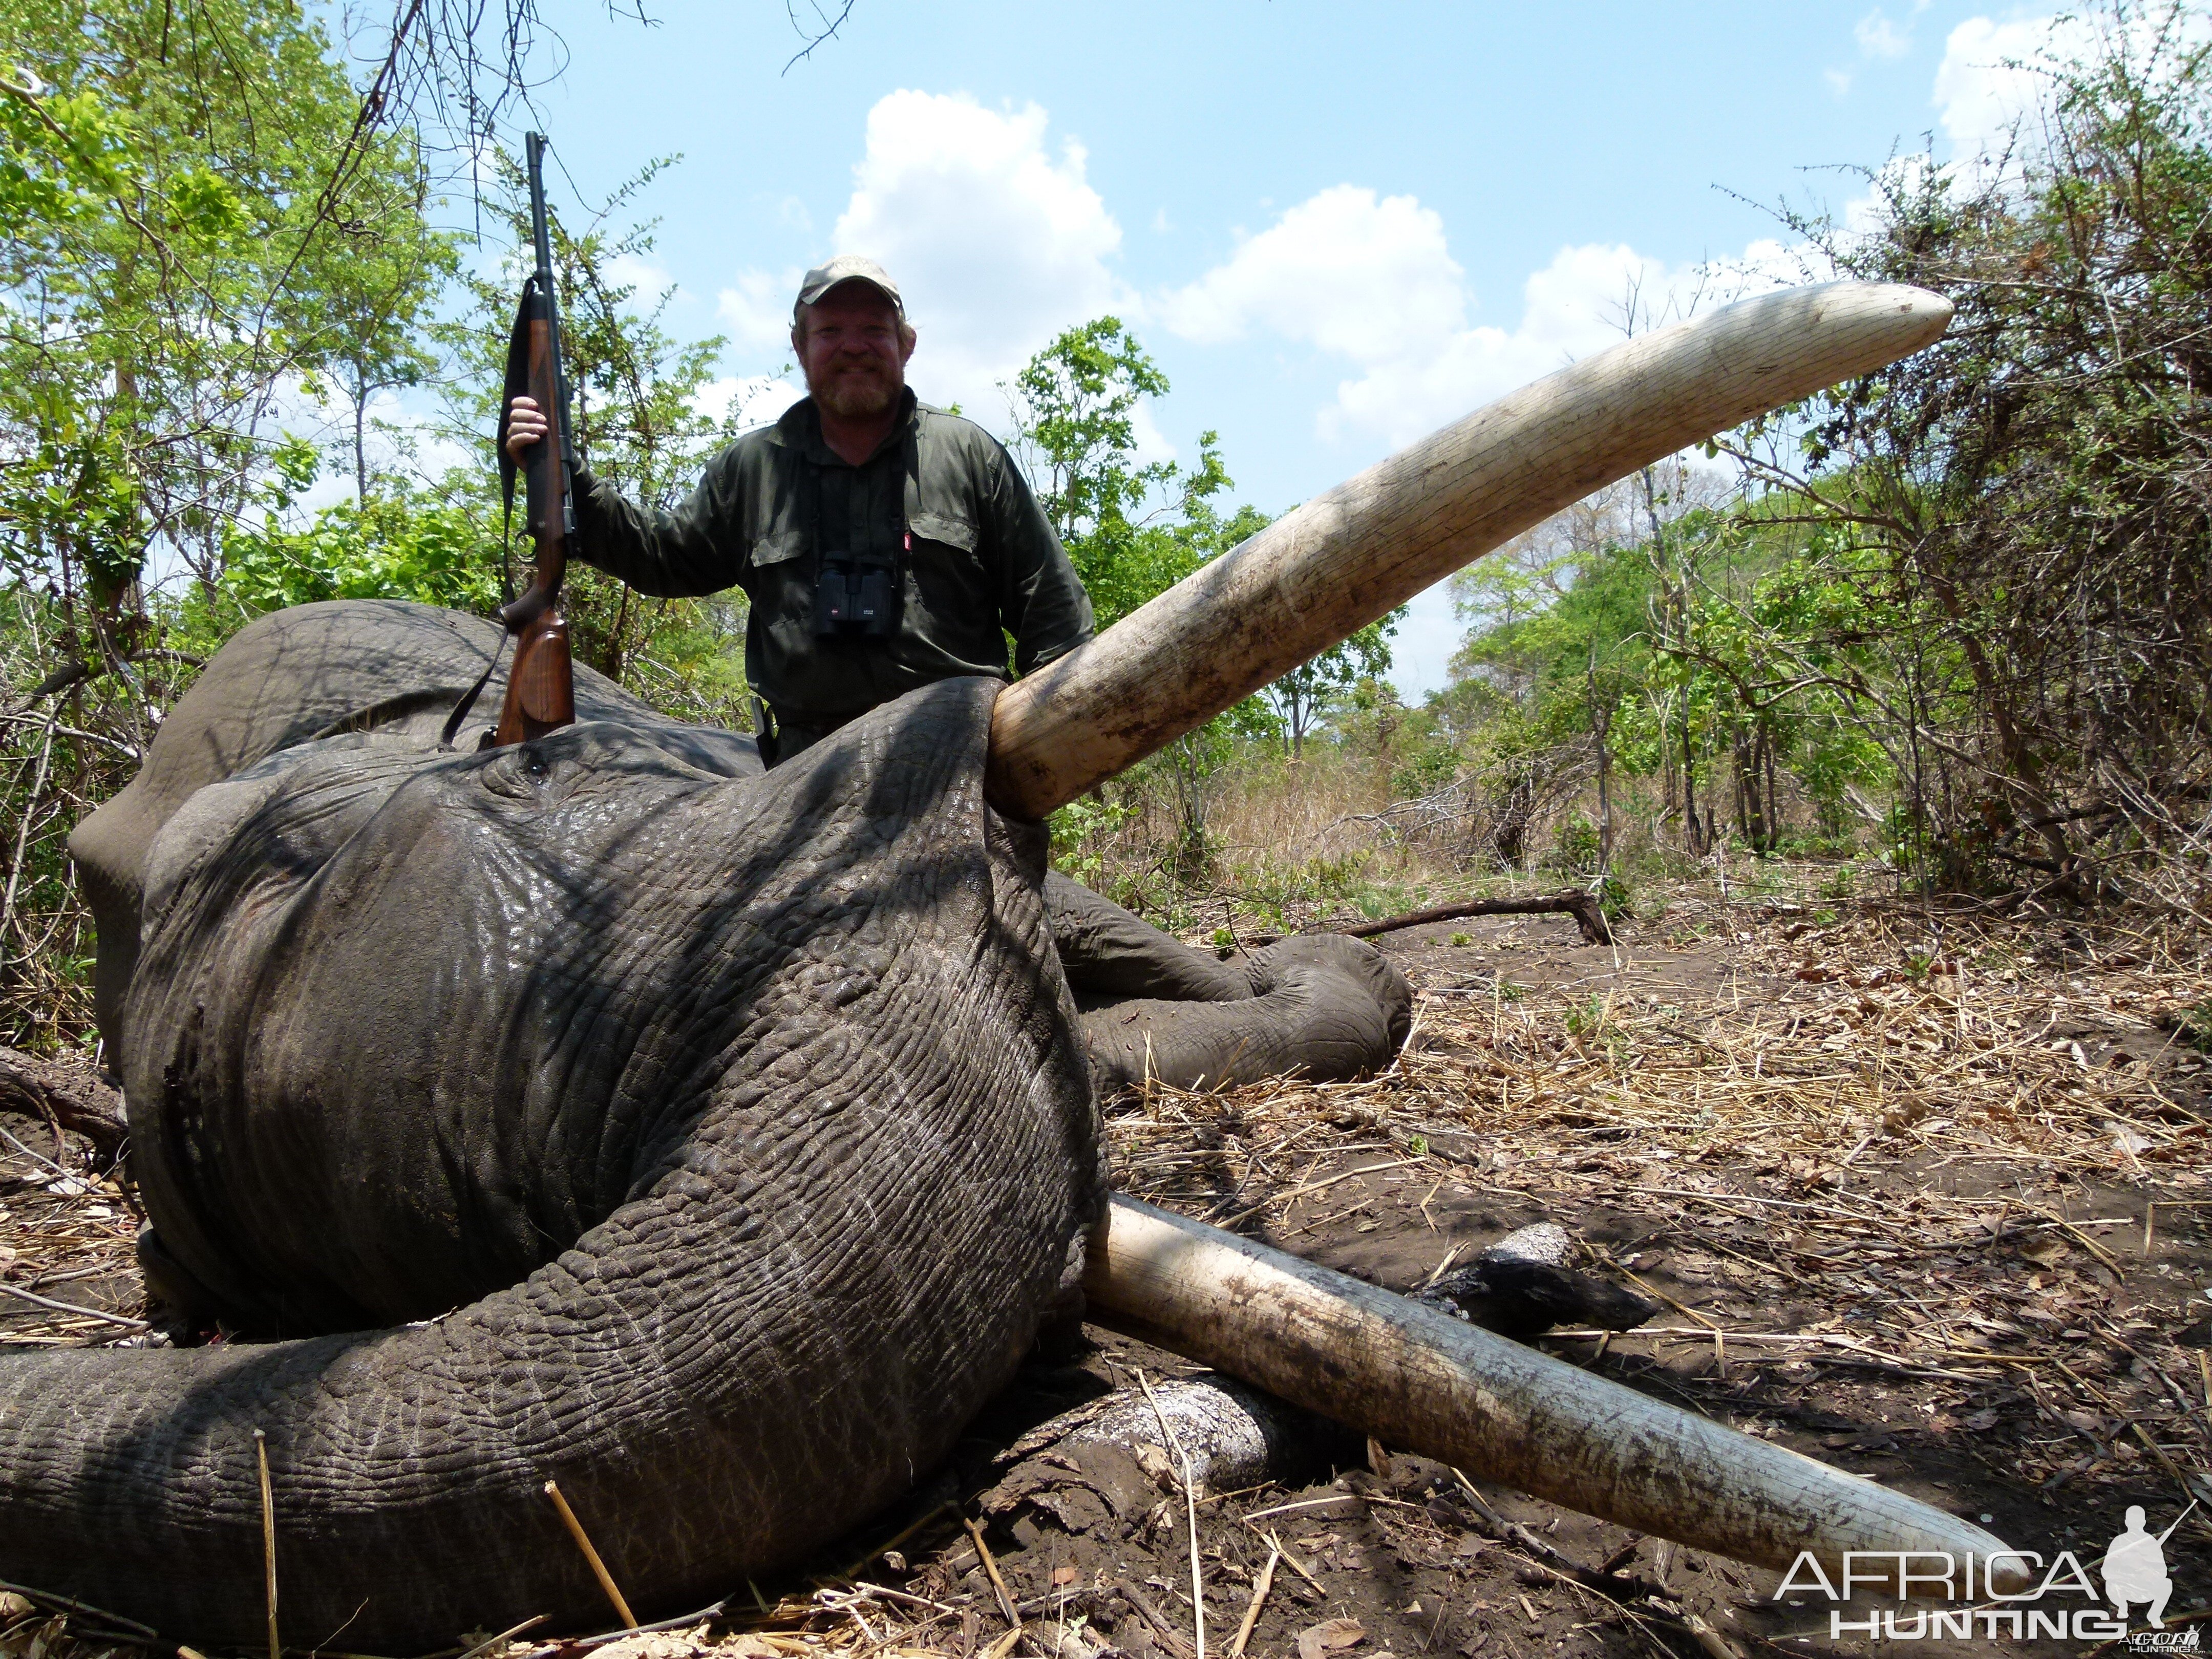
517 385
469 697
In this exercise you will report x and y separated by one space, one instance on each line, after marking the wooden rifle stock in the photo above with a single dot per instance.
541 692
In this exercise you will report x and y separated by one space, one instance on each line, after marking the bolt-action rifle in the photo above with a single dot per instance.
540 686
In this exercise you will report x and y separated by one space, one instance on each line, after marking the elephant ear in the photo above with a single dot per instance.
288 678
211 821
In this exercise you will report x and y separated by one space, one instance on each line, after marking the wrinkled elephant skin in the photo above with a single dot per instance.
728 1134
1322 1004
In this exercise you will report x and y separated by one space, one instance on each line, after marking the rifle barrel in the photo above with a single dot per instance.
534 148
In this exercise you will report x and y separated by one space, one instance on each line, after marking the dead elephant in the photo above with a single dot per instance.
712 1141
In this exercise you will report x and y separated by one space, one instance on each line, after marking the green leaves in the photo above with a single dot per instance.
1133 529
398 546
2009 590
60 154
203 205
187 204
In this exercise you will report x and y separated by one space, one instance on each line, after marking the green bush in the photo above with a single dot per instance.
1576 847
1425 770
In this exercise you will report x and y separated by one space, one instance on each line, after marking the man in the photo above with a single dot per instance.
882 544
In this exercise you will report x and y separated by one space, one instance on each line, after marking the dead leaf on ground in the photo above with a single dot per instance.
1317 1641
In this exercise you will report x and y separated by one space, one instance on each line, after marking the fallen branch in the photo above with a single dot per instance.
1571 902
74 1309
66 1093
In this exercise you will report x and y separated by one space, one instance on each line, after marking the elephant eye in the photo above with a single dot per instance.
519 773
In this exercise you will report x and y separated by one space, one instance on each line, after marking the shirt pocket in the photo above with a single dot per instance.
953 532
778 546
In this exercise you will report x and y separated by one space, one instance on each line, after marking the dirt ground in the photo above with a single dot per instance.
1922 1194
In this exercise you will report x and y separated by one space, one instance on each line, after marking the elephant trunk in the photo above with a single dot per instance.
1319 574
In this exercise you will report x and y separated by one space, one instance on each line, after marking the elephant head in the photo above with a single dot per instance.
712 1141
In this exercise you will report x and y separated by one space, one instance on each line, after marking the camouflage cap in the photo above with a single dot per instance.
847 268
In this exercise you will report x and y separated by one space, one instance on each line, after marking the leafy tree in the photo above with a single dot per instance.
374 315
1133 529
396 544
1300 696
178 181
2016 596
183 189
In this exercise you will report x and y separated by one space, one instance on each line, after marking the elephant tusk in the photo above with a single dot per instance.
1319 574
1420 1381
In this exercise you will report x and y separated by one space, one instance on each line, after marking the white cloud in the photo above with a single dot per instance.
1878 37
1344 271
998 243
1840 81
649 279
1993 73
1371 280
755 399
757 312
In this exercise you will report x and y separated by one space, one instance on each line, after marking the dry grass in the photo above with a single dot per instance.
1926 1152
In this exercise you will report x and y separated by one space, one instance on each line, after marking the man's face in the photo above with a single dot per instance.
853 351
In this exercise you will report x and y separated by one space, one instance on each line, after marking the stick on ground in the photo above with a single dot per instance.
1571 902
267 1540
598 1567
1259 1599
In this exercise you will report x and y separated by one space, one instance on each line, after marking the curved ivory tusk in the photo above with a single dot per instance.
1319 574
1420 1381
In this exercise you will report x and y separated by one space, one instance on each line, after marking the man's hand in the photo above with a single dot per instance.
524 427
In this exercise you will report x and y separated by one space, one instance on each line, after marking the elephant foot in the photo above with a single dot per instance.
1522 1284
178 1300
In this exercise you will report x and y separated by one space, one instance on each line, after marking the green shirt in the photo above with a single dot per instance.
974 554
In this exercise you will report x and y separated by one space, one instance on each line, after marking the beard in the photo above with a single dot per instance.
857 394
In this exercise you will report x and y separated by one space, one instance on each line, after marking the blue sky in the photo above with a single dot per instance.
1335 226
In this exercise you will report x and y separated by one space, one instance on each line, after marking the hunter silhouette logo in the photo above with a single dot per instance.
2056 1599
2135 1567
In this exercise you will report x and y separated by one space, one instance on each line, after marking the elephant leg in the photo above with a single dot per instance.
1108 953
1328 1006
